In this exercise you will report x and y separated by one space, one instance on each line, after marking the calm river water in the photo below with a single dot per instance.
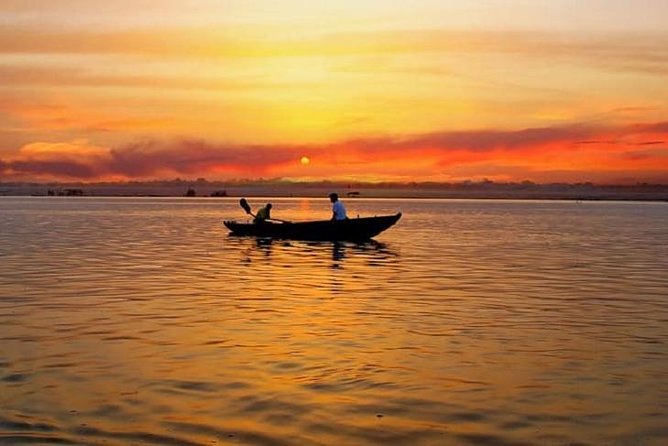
140 321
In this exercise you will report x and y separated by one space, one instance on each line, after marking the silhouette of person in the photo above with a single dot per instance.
338 209
263 214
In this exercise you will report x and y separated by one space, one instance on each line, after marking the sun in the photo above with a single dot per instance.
305 160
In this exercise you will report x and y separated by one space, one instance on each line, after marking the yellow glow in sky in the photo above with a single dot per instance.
429 90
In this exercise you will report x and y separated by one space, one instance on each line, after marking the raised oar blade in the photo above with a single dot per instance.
244 204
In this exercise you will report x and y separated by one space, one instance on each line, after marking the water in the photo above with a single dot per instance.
140 321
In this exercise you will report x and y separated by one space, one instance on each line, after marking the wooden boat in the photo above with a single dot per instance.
353 229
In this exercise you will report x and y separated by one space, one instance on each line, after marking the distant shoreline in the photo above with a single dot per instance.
482 190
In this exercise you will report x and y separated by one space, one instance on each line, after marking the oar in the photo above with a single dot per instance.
244 204
246 207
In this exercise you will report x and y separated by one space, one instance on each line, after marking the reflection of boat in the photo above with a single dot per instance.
354 229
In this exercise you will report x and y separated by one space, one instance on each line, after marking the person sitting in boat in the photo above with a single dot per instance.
338 209
263 214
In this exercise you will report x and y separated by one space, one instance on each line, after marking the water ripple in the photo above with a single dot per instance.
469 322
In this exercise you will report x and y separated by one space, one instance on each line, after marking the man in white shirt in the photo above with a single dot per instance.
338 209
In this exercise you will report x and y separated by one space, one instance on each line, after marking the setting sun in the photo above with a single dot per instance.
428 91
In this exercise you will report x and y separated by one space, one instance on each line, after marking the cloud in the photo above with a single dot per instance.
642 155
72 160
144 159
66 169
47 115
195 157
177 41
46 76
479 142
639 51
576 148
655 127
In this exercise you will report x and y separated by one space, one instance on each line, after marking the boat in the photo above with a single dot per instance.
353 229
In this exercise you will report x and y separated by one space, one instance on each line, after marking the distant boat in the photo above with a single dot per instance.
353 229
65 193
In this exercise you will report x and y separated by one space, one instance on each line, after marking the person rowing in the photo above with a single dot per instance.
263 214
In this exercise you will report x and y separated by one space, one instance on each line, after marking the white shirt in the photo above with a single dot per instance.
339 211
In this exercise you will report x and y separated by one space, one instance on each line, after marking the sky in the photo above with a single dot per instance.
367 90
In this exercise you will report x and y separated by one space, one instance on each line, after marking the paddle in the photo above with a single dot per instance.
246 207
244 204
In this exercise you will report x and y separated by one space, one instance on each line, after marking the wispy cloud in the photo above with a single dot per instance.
72 76
58 116
402 99
566 148
643 51
144 159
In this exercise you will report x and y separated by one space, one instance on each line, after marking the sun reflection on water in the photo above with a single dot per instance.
142 320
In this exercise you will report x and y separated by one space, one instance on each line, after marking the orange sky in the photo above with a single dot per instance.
406 91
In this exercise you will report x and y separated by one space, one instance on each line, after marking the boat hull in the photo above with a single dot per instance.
354 229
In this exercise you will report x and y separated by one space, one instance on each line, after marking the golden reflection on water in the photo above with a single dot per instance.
142 321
